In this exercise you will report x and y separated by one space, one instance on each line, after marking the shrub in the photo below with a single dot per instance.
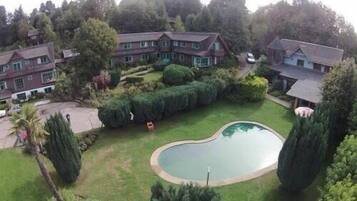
177 74
229 62
161 64
185 192
115 113
147 107
134 79
250 89
62 148
264 71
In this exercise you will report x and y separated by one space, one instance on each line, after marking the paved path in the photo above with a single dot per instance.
278 101
82 119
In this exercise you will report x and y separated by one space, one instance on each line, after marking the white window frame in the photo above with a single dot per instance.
143 44
130 60
176 43
127 46
23 84
3 83
216 46
44 60
14 65
4 68
195 46
46 73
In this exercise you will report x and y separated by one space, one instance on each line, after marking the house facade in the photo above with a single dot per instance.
301 66
26 72
188 48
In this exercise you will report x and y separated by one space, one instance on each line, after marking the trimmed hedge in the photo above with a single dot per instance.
167 102
177 75
134 79
250 89
115 113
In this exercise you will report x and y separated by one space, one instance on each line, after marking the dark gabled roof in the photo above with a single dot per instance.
316 53
308 90
136 37
28 53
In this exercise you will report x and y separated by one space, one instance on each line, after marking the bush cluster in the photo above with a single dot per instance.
87 141
161 64
176 74
250 89
115 113
166 102
154 106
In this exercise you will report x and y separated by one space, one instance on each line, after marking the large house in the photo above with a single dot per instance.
189 48
301 66
25 72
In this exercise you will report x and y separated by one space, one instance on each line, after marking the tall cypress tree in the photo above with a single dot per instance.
304 151
62 148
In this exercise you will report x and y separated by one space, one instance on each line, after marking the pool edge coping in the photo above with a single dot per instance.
155 166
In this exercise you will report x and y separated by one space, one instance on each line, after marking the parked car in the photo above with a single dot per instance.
250 58
14 109
2 113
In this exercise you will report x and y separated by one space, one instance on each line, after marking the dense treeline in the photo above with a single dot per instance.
301 20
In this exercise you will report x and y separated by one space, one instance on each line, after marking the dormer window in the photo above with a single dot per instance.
17 66
216 46
195 46
44 60
182 44
176 43
4 68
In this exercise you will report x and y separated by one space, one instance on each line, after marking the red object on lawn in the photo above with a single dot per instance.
23 135
150 126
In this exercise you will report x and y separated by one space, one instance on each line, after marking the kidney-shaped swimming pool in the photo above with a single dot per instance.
237 152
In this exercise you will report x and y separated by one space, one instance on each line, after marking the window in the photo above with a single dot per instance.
17 66
182 44
143 44
182 57
300 62
29 78
176 43
44 60
21 96
165 43
127 45
195 46
317 67
19 83
202 61
153 43
144 57
48 90
34 92
27 62
128 59
2 85
216 46
47 77
4 68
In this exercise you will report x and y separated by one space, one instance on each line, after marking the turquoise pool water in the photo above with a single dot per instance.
240 149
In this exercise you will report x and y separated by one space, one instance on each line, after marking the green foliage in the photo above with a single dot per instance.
179 26
340 91
161 64
341 175
353 118
250 89
115 113
176 74
95 42
167 102
187 192
70 196
264 71
62 148
182 8
304 151
63 87
134 79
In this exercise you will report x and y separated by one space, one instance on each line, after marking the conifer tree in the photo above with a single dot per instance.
62 148
304 151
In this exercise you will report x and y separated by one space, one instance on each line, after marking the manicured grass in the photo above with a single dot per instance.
117 167
153 76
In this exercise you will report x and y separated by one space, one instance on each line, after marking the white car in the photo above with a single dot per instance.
250 58
2 113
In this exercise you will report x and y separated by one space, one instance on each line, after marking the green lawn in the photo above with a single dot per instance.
117 167
153 76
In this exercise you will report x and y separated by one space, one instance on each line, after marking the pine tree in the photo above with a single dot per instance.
62 148
179 26
304 151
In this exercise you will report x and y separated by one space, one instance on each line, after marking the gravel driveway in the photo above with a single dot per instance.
82 119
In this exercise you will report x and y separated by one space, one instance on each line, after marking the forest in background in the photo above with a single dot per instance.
301 20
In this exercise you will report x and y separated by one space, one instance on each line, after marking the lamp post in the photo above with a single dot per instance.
208 172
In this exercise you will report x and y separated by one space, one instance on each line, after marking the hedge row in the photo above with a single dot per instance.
250 89
157 105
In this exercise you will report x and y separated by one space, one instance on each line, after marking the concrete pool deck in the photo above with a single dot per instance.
154 161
